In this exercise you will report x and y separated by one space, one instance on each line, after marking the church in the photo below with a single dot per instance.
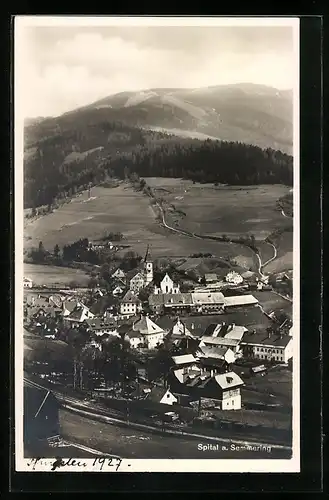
144 276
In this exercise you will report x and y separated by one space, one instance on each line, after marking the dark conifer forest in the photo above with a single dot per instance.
62 160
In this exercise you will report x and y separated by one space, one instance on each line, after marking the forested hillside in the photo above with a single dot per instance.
67 158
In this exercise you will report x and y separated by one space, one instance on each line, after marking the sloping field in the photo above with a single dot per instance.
54 275
218 210
124 210
284 260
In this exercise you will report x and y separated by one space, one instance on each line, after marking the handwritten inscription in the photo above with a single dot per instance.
97 464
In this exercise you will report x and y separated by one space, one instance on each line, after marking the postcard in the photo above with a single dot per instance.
156 244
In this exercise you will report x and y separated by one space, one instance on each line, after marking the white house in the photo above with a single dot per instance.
234 278
152 334
137 282
229 393
27 283
135 339
161 395
119 273
118 290
102 326
167 285
79 314
130 305
269 346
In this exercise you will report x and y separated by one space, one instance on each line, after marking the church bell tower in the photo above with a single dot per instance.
148 267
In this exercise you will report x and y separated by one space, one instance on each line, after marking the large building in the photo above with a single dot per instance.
150 335
198 302
267 346
167 286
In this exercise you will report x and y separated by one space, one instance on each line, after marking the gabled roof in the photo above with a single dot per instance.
156 394
138 275
131 298
146 326
228 380
225 331
172 299
217 352
184 359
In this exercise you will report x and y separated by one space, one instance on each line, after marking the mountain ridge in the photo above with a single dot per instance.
244 112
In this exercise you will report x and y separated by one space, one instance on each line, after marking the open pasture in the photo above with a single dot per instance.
284 260
54 275
124 210
218 210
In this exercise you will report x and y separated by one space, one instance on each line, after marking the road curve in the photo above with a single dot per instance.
193 235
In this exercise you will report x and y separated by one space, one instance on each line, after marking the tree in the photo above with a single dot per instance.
56 251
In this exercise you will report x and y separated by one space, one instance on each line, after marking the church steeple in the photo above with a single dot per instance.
148 266
148 257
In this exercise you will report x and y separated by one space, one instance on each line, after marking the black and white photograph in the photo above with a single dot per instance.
157 244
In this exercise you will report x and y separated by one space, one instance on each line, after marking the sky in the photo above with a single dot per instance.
65 67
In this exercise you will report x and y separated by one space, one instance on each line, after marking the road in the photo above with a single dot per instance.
261 265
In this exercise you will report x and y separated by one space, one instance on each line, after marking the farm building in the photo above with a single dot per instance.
41 415
161 395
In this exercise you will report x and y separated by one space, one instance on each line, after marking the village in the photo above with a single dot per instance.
173 349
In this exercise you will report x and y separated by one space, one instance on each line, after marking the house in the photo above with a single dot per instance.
208 354
226 388
223 389
79 314
240 301
119 274
216 342
130 304
267 345
135 339
137 282
184 360
161 395
118 290
230 331
27 283
210 278
41 415
102 326
152 334
207 303
167 285
234 278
